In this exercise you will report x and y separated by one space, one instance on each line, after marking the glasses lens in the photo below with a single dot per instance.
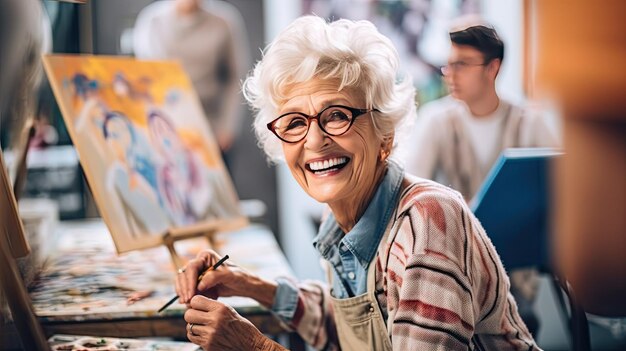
336 120
291 127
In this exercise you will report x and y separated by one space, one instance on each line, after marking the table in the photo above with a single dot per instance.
84 286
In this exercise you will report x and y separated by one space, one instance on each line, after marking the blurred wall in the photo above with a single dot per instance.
506 17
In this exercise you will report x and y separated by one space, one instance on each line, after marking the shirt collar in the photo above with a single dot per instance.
364 238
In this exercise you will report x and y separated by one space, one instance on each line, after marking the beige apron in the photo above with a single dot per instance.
359 320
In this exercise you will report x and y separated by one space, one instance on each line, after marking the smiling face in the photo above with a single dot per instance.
333 169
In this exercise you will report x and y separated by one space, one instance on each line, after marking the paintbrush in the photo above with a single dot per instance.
212 268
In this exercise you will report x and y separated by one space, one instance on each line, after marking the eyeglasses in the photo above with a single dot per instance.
334 120
458 66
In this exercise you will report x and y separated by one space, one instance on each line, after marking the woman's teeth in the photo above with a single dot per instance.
326 164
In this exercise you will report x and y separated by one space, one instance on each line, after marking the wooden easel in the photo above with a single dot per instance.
206 229
13 245
22 160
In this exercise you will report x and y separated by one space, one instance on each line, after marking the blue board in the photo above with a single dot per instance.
513 205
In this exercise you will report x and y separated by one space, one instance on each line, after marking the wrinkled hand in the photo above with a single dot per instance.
227 280
215 326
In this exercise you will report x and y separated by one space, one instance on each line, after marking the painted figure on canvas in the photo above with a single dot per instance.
133 176
185 178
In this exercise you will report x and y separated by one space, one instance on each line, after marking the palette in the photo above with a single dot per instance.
87 280
90 343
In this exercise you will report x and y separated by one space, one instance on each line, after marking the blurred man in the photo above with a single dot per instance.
459 137
208 38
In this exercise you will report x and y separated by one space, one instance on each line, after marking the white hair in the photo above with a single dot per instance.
352 52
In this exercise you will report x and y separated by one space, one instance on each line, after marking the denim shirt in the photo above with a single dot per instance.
349 255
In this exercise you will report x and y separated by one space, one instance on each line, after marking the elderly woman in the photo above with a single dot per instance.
409 266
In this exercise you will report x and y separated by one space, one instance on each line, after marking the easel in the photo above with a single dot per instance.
22 160
206 229
13 245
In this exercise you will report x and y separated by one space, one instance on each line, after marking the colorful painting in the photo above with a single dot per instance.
145 146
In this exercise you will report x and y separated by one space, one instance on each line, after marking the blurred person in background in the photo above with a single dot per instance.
409 267
208 39
23 39
458 138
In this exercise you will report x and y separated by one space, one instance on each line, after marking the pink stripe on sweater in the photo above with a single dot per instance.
434 313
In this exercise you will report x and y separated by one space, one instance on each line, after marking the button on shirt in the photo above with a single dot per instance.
349 254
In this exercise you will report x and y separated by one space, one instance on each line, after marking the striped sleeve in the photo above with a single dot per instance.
313 318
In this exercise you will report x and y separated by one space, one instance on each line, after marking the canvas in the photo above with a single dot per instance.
145 145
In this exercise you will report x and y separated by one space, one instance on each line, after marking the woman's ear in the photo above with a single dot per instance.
385 148
383 154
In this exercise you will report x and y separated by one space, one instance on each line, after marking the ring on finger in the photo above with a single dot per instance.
181 270
191 325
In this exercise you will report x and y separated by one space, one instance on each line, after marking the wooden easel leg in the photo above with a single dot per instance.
170 238
169 243
18 300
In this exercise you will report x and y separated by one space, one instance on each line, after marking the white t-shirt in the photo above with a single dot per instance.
485 132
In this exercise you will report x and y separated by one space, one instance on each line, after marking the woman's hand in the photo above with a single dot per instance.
226 280
216 326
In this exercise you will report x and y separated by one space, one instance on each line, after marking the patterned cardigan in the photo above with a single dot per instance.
439 282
